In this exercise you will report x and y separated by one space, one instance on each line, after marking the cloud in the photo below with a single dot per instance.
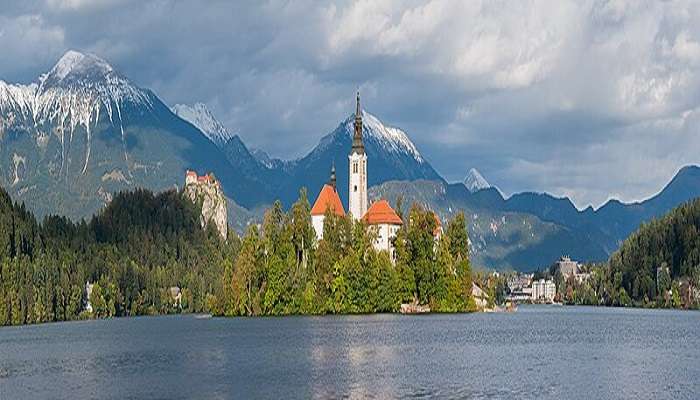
25 41
589 99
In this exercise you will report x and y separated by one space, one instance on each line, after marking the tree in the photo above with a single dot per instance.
458 237
245 276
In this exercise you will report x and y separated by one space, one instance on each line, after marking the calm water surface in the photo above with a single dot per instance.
539 352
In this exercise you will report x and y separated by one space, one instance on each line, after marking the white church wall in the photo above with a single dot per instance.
317 223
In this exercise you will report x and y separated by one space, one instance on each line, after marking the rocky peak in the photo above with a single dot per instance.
75 67
474 181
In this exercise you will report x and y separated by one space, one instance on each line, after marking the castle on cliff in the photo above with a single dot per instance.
207 189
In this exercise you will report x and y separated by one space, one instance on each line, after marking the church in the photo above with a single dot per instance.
379 216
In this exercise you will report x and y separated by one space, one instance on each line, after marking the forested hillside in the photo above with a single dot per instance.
661 254
656 266
134 250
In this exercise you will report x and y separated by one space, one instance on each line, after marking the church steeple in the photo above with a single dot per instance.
357 161
332 181
357 145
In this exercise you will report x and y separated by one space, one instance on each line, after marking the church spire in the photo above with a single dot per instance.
332 181
357 145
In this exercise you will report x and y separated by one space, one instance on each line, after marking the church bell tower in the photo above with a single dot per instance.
357 194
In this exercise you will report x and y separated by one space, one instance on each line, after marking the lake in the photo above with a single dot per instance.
542 352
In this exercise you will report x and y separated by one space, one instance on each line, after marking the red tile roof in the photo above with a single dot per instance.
328 198
380 212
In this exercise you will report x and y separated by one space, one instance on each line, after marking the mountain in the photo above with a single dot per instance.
200 116
266 176
269 162
499 238
391 156
83 131
622 219
614 221
474 181
542 226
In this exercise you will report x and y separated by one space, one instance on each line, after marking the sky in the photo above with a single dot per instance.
587 99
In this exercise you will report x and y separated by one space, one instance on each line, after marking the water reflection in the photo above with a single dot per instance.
538 352
358 367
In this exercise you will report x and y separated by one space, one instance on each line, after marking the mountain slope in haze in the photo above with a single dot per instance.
614 221
546 226
265 177
620 220
200 116
83 131
499 238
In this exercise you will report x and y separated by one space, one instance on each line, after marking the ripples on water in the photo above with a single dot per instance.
539 352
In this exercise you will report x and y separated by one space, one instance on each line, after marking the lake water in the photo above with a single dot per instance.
538 352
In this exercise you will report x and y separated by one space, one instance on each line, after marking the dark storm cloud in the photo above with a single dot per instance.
586 99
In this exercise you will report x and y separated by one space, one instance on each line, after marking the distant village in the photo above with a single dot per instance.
526 288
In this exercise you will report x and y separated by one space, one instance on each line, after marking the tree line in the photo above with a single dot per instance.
281 268
142 244
134 250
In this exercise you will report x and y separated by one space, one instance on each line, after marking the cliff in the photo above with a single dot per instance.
206 190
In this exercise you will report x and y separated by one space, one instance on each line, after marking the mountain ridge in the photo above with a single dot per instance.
83 131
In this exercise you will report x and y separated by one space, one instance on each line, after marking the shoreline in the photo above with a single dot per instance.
205 316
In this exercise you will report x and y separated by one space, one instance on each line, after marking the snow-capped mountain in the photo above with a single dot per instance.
391 156
200 116
72 94
83 130
474 181
393 140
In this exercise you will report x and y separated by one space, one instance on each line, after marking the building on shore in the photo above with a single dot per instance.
570 268
327 199
543 291
88 294
175 297
379 216
385 223
567 267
